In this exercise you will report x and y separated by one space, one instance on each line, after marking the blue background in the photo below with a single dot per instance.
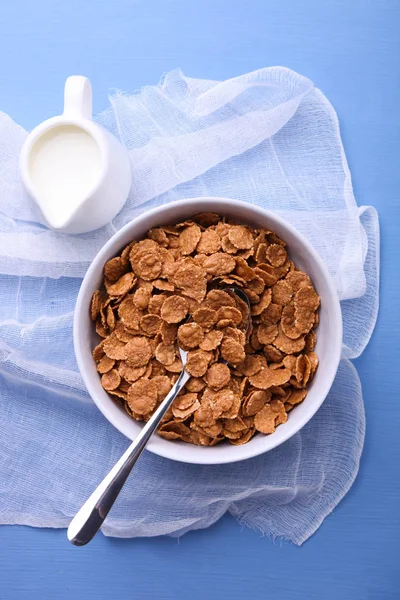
351 50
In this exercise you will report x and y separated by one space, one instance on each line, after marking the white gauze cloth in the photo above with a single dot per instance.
270 138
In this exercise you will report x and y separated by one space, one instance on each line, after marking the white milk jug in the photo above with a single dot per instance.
77 173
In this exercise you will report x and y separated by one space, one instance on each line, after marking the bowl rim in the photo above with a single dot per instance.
245 451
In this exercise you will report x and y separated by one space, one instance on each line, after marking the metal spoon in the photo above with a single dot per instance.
90 517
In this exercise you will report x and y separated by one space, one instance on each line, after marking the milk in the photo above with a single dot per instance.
64 166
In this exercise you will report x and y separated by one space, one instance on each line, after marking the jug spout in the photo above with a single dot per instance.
59 223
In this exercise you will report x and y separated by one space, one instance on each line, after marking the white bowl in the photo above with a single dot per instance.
329 332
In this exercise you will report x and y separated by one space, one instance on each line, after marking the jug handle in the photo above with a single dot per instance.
78 97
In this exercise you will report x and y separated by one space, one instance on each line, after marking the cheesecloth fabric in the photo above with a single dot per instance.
270 138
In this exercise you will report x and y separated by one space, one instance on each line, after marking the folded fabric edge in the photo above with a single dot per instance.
45 376
369 222
312 523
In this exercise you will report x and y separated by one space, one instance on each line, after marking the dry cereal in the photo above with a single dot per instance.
165 290
174 309
190 335
111 380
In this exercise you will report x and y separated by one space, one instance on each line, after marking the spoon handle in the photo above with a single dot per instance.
90 517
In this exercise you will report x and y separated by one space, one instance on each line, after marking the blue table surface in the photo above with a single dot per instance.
351 50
